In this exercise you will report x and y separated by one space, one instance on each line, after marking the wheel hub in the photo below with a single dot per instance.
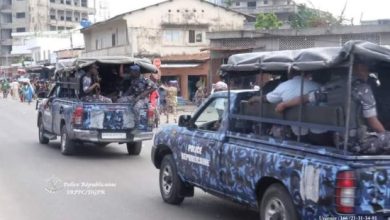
275 210
167 180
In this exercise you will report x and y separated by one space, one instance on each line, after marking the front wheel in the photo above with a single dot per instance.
41 132
67 145
277 204
134 148
170 183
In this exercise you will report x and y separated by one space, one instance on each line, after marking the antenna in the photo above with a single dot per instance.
341 17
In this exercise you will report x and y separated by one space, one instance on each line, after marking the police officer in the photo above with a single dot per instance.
374 143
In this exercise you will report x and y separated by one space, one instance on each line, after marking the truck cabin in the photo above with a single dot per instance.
327 67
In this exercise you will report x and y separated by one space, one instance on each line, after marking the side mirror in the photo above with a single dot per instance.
184 120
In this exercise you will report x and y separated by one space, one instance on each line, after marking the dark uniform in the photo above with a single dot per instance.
137 87
93 96
361 141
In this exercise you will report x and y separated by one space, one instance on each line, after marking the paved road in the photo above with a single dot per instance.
37 182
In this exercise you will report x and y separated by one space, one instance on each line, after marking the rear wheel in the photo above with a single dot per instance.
277 204
67 145
170 183
41 132
134 148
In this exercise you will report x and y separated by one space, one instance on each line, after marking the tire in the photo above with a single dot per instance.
67 145
134 148
41 132
170 183
277 204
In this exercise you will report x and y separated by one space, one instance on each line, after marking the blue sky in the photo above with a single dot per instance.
367 9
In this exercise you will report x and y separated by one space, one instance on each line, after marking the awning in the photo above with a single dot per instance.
179 65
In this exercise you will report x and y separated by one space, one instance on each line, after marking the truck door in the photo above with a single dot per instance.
48 108
201 148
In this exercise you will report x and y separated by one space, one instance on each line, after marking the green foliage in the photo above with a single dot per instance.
228 3
308 17
267 21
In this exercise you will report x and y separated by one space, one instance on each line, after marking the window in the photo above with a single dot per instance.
62 18
265 2
68 18
62 1
195 36
237 3
52 1
198 37
251 4
20 15
172 37
113 39
68 2
96 44
210 118
21 29
191 36
53 17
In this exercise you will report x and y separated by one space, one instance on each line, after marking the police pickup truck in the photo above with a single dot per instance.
62 113
235 153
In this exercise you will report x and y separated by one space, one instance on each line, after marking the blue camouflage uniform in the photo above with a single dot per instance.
359 142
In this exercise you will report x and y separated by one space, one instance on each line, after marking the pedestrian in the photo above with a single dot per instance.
171 100
199 96
5 87
14 89
28 92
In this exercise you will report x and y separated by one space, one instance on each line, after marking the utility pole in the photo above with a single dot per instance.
94 14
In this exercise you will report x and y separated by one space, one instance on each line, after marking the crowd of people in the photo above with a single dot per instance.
23 90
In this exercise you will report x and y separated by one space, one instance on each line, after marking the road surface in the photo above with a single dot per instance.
37 182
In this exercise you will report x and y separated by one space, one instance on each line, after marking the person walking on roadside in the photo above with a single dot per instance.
14 89
5 87
28 92
171 100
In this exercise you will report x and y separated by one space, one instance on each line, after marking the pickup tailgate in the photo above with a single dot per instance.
108 116
373 191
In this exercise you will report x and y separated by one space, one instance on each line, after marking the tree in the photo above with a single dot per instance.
267 21
228 3
309 17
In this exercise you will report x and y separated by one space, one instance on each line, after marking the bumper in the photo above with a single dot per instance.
96 136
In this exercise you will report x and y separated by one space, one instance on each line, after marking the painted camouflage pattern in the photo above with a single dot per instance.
239 162
99 115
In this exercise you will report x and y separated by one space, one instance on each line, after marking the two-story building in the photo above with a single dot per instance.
172 31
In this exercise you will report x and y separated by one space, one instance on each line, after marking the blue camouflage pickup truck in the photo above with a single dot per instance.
62 112
229 148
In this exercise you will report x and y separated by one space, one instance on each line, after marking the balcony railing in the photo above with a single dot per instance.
269 9
57 6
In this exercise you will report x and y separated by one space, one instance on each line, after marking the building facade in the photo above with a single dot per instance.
283 9
42 47
227 43
37 15
175 27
